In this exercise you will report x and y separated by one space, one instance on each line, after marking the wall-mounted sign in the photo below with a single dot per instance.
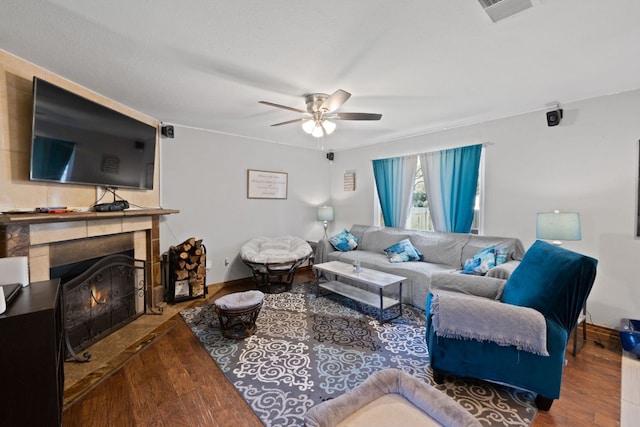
266 184
350 181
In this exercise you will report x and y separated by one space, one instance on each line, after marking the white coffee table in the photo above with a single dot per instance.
371 278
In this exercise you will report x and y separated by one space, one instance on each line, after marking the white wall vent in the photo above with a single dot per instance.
501 9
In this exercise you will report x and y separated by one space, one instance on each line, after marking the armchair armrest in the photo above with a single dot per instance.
503 271
459 316
482 286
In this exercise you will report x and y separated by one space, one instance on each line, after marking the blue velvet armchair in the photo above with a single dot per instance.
551 280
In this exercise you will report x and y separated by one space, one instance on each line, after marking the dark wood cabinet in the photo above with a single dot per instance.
32 357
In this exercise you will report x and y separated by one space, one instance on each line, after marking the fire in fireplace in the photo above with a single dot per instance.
108 294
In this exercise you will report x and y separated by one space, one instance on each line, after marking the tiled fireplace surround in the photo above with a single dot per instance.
55 240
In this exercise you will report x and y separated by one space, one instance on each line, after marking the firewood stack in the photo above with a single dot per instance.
189 265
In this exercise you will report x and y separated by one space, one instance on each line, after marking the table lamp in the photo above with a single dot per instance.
558 226
325 214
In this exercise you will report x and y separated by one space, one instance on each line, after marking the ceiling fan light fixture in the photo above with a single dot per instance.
328 126
308 126
322 107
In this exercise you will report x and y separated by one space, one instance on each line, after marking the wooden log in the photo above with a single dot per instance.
183 255
181 274
186 245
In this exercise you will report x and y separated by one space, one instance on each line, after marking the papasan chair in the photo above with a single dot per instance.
274 260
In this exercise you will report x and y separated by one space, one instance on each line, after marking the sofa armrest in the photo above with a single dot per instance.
323 248
503 271
482 286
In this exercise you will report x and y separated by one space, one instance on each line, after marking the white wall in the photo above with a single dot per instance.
204 175
588 164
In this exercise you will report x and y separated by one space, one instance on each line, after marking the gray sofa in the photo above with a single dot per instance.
443 253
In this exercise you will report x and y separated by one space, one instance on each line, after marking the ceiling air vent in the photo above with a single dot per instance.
501 9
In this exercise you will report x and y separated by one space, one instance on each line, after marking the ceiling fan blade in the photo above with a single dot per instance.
291 121
335 101
357 116
297 110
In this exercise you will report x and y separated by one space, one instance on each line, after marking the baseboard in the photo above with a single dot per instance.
607 337
213 288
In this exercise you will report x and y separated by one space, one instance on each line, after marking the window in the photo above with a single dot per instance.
420 218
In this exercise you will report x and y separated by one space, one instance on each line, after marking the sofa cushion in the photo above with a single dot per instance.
376 239
358 230
344 241
403 251
481 262
440 248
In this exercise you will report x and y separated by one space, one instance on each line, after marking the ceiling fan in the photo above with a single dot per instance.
317 120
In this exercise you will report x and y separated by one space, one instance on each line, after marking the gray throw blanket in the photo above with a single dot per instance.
463 316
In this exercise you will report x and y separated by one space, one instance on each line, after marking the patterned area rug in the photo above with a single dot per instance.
308 349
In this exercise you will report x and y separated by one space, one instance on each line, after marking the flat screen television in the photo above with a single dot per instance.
78 141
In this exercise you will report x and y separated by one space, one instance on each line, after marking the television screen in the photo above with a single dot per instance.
79 141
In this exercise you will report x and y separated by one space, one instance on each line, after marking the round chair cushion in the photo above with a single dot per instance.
239 300
281 249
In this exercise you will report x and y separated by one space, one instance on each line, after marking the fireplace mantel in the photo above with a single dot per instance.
41 218
38 235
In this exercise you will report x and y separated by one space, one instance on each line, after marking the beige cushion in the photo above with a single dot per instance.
275 249
390 410
239 300
403 395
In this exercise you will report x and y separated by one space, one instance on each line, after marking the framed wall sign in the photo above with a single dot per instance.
266 184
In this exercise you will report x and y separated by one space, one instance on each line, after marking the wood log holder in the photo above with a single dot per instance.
184 273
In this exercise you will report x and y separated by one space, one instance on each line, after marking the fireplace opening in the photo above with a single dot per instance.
100 295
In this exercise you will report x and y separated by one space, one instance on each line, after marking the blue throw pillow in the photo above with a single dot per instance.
344 241
481 262
501 255
403 251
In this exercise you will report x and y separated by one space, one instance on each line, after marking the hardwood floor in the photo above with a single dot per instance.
174 382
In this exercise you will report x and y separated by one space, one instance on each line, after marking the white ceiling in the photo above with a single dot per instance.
424 65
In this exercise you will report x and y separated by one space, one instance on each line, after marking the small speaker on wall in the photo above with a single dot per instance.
554 117
167 130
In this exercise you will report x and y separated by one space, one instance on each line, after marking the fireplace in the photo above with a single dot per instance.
52 240
100 295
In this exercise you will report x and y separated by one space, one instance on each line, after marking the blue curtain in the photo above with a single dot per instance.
451 177
395 179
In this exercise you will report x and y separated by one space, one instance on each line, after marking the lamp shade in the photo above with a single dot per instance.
328 126
558 226
325 213
308 126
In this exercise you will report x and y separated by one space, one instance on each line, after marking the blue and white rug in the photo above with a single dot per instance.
308 349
